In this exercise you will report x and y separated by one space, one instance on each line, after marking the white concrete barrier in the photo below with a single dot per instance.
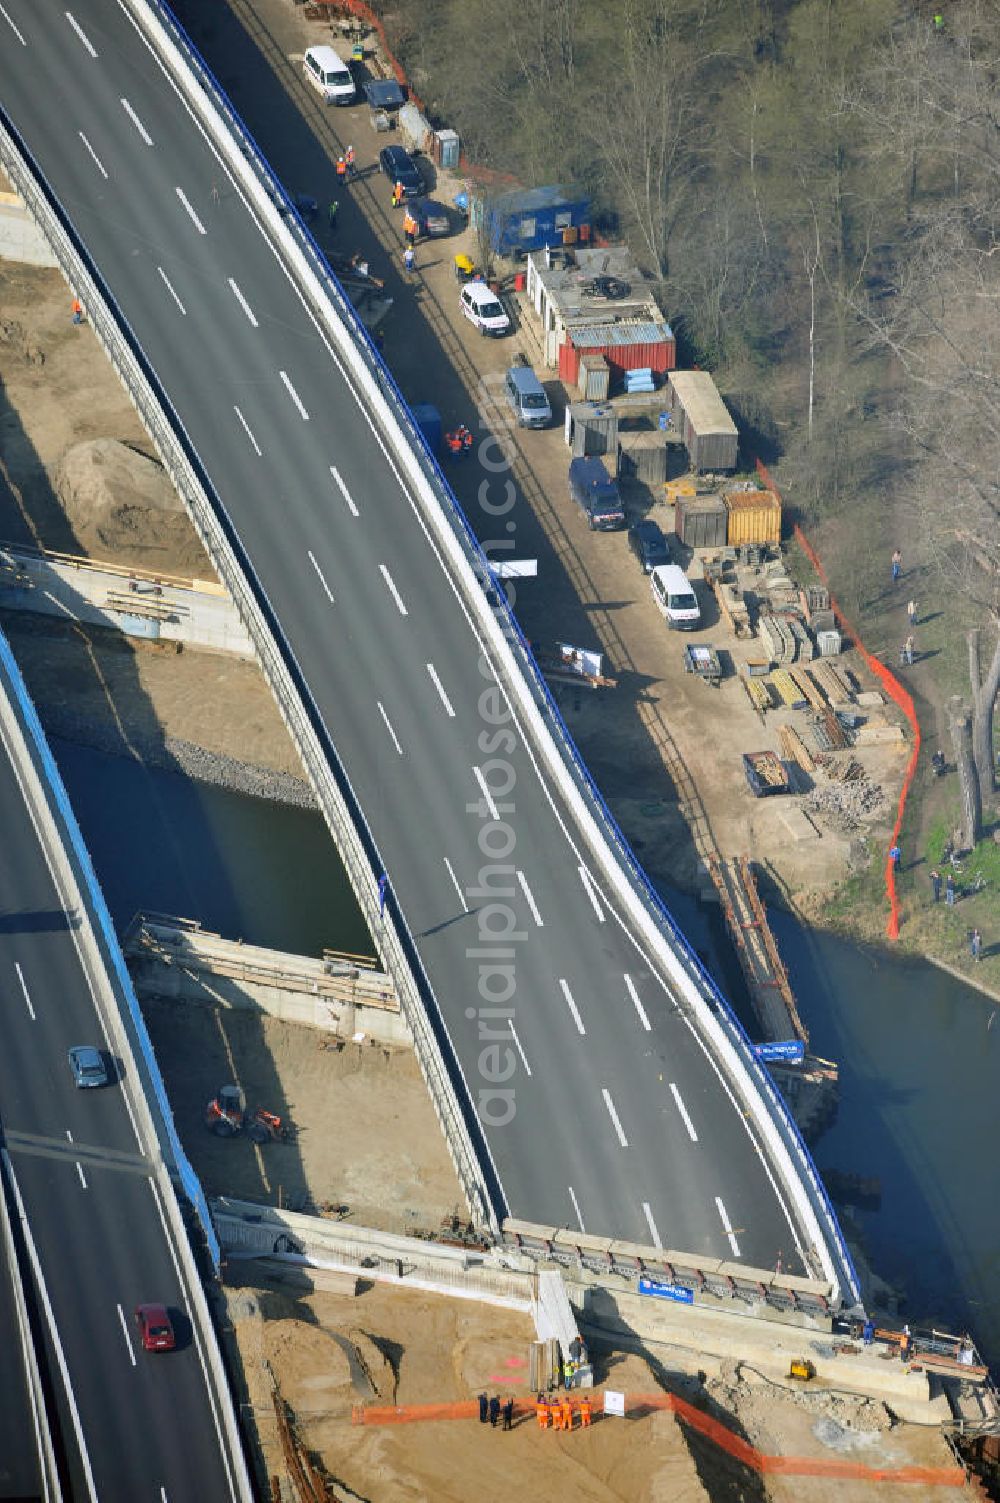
184 963
198 613
20 237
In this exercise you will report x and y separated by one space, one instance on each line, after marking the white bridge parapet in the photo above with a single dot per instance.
159 607
177 959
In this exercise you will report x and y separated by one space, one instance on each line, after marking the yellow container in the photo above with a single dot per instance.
753 517
687 485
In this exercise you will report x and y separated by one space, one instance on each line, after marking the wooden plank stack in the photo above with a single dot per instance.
794 749
788 688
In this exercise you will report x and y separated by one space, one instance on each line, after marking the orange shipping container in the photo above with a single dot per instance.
753 517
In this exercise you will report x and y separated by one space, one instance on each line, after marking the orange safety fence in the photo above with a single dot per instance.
890 683
364 12
636 1405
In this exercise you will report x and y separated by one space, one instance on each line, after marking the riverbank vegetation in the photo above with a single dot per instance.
814 184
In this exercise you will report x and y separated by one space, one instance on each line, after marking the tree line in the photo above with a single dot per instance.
814 186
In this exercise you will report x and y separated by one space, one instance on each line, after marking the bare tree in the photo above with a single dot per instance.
940 329
938 325
647 129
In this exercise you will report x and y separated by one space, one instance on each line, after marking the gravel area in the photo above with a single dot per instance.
177 755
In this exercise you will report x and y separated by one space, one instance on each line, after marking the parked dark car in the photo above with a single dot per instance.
399 167
432 217
649 545
597 494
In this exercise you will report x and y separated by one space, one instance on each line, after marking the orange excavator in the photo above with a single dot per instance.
226 1115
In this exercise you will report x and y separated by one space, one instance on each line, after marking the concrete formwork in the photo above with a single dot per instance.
173 958
20 237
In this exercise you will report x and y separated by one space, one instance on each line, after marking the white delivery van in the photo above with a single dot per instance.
674 595
484 309
326 71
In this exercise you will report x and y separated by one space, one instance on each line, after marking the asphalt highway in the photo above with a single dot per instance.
135 1425
611 1116
20 1472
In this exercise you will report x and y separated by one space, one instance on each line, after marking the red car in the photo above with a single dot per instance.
155 1330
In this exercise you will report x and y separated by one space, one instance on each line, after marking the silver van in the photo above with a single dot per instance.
527 398
674 595
326 71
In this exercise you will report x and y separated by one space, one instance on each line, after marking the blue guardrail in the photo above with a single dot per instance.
112 950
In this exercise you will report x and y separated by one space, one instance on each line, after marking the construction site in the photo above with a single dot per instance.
365 1316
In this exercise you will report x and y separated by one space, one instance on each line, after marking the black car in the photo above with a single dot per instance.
649 545
399 167
432 217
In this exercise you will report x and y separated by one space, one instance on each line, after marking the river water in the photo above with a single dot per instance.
916 1048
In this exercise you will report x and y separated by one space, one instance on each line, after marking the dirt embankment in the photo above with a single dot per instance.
366 1141
78 476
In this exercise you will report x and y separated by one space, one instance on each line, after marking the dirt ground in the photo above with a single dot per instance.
366 1138
423 1349
330 1352
147 692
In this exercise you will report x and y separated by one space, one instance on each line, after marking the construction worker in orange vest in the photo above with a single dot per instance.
341 170
397 195
349 159
585 1412
410 228
566 1410
542 1412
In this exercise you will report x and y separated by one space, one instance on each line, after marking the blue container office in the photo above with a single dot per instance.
531 218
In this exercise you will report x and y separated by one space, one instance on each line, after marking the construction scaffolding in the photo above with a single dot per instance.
767 980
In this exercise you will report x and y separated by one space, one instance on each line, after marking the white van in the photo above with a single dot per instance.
326 71
484 309
674 596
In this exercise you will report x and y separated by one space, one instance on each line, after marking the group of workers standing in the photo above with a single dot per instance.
346 171
458 441
556 1413
345 165
552 1412
491 1409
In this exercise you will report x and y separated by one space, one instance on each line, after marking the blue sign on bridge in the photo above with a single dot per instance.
679 1293
794 1051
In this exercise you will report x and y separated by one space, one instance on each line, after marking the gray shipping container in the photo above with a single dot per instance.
591 431
643 456
702 419
594 381
701 521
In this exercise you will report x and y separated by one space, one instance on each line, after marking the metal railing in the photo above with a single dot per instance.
736 1283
